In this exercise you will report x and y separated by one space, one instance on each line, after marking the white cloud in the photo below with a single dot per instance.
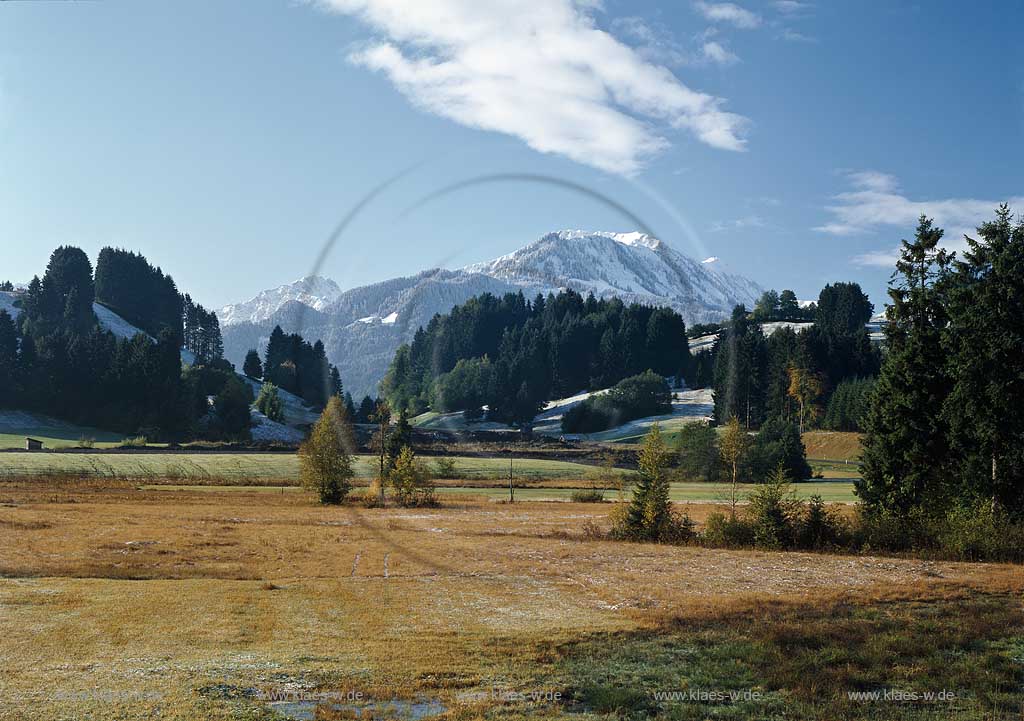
539 70
728 13
653 41
717 53
795 36
876 204
790 7
744 223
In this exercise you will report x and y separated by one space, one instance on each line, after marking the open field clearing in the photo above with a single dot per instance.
16 425
128 603
830 491
832 445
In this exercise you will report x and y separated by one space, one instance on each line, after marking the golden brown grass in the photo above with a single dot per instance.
833 445
123 601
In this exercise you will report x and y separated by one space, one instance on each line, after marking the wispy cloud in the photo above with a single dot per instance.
791 7
539 70
795 36
725 12
651 40
876 203
719 54
745 223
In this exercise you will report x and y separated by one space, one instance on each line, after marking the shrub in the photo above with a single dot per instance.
980 532
86 442
638 396
587 496
727 531
818 527
268 402
773 512
410 481
444 467
136 442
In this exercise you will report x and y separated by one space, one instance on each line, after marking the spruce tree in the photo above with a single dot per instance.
253 367
985 338
649 516
905 438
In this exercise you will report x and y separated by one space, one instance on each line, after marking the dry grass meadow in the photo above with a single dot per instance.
120 602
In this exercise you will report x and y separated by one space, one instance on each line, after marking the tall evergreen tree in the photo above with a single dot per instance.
253 367
985 338
649 514
905 438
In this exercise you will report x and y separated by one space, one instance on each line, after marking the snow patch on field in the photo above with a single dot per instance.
296 411
109 320
687 406
264 429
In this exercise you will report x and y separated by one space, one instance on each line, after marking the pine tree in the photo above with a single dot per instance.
277 352
8 359
649 516
905 438
699 459
253 367
335 386
324 458
984 338
382 417
789 306
366 408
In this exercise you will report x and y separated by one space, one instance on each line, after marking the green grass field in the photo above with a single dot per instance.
830 491
16 425
200 467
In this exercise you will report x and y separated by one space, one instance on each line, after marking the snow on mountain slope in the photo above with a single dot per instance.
632 266
362 327
109 320
312 291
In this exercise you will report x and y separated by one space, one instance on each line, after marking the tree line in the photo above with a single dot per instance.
944 428
512 355
793 375
295 365
56 358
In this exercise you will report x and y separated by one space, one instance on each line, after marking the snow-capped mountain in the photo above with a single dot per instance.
362 327
633 266
312 291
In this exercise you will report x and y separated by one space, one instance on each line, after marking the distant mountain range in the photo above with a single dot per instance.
362 327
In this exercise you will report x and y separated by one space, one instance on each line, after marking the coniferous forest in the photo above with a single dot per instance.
57 359
513 355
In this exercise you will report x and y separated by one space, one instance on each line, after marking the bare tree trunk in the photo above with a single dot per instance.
733 506
995 503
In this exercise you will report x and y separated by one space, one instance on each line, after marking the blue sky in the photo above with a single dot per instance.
796 141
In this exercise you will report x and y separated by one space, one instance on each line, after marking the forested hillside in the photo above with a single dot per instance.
56 357
512 355
792 375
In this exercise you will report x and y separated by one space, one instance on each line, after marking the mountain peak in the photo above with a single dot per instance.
635 238
362 327
315 291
